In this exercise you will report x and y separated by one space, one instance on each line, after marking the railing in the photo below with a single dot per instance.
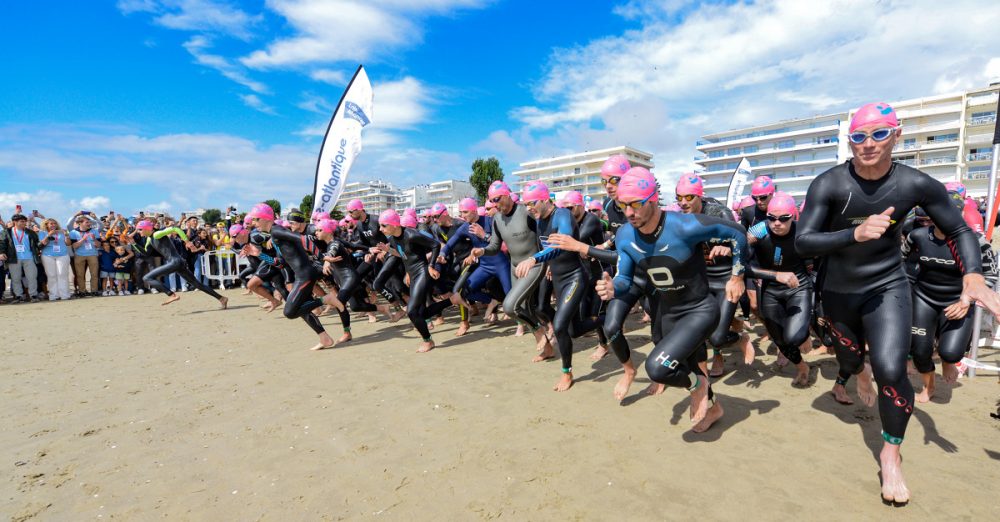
978 138
980 156
937 161
982 120
768 132
979 174
983 99
218 265
908 162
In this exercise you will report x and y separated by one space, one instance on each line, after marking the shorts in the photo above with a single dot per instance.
107 275
122 276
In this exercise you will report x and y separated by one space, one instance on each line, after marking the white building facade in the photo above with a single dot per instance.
947 136
580 171
377 195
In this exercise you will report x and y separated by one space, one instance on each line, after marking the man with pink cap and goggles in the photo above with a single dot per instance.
444 230
667 247
690 194
569 276
173 262
512 225
611 173
761 191
852 220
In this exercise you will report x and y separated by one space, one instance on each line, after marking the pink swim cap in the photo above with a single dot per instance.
439 210
144 225
236 230
745 202
572 198
410 212
348 220
954 186
874 114
783 206
355 204
327 225
535 191
615 166
262 211
408 221
594 205
762 186
467 204
970 211
638 184
283 222
317 216
690 183
247 221
498 188
388 217
481 211
514 197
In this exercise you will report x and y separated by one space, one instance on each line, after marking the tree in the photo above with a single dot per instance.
336 213
212 216
307 205
484 173
273 203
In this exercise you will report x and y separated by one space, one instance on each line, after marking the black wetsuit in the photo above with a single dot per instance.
865 293
937 284
271 268
719 270
786 311
297 252
413 247
173 263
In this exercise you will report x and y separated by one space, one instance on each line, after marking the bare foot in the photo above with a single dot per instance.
599 353
325 341
546 354
565 383
372 318
439 321
520 330
950 372
711 416
748 351
175 297
344 338
718 365
463 328
425 347
801 379
430 325
927 393
490 318
270 306
655 388
866 390
840 394
224 301
395 317
699 401
893 485
645 318
782 360
541 340
623 385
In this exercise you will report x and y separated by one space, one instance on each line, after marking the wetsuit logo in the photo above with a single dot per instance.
937 260
354 112
918 331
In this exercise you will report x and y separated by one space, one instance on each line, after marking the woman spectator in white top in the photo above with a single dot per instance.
55 244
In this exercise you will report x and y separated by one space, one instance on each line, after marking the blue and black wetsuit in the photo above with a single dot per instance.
673 260
472 279
865 293
937 284
786 311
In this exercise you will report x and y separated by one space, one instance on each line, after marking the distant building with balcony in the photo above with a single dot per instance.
377 195
580 171
415 197
448 192
947 136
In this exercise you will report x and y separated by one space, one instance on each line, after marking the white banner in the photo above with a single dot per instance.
740 178
342 142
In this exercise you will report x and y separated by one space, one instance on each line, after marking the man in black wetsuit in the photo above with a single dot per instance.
173 262
852 216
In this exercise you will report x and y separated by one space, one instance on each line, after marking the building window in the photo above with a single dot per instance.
716 154
750 149
732 165
576 170
786 144
943 137
754 163
732 151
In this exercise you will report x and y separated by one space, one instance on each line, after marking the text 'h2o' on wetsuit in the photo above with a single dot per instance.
518 230
786 311
414 247
173 263
672 259
864 290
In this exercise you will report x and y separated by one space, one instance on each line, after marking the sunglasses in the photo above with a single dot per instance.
760 198
531 204
858 138
613 180
496 199
595 210
686 197
634 205
784 219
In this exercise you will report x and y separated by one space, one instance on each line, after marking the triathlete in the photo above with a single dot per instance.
173 263
853 218
667 247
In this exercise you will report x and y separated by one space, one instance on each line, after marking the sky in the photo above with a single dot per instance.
173 105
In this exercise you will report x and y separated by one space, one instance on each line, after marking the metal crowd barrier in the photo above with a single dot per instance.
223 266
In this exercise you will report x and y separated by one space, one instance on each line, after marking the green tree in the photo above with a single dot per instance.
484 173
337 213
212 216
307 205
273 203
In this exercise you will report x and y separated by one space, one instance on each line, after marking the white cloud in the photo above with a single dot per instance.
195 15
401 104
197 46
254 102
313 103
328 31
96 203
332 77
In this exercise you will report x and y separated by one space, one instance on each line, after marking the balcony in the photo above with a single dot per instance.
908 162
764 152
983 120
979 174
983 99
980 156
930 127
938 161
824 126
978 138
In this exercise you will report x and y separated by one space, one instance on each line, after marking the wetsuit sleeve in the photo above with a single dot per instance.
962 241
809 240
167 231
704 228
626 266
493 247
604 256
431 244
463 231
563 222
759 230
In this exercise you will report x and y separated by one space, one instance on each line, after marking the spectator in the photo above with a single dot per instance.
144 259
106 262
7 256
26 257
55 245
123 266
200 243
85 244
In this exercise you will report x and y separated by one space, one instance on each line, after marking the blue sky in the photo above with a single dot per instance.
178 104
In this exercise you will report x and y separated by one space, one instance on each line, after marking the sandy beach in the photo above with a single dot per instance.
118 408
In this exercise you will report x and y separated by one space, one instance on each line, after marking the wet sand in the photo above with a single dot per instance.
118 408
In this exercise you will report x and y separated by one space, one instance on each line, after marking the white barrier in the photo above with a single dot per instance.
219 265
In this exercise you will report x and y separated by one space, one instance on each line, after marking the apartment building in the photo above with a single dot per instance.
377 195
579 171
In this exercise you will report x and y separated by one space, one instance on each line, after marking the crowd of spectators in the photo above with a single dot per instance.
91 255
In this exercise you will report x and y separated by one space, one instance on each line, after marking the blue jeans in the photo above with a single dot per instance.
198 274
